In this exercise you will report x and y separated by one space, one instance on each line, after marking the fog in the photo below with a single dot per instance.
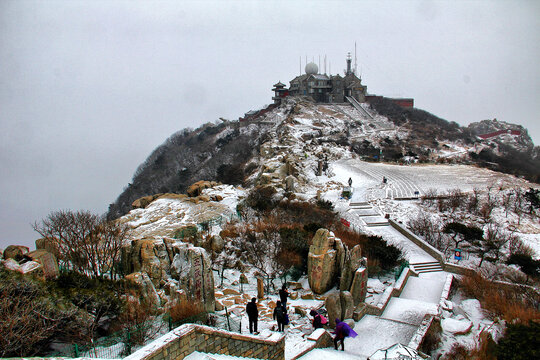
89 88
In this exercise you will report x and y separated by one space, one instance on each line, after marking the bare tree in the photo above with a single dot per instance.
85 242
30 320
491 245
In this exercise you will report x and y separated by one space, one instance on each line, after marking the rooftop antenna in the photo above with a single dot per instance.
300 73
319 61
355 58
324 64
330 68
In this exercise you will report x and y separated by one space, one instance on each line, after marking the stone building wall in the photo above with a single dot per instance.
189 338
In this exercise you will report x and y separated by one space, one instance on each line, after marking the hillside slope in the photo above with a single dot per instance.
304 133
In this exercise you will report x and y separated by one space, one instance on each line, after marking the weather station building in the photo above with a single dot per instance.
323 88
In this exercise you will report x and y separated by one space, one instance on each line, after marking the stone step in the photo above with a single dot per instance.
359 203
425 267
378 224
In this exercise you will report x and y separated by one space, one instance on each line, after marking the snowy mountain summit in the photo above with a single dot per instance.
305 136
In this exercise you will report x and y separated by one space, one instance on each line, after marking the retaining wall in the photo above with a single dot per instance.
419 242
395 291
189 338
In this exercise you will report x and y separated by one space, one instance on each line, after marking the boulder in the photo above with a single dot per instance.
293 285
243 279
49 245
143 202
230 292
356 258
350 322
300 311
347 305
150 256
308 296
31 267
149 293
289 183
11 264
219 306
192 268
217 244
197 188
15 252
260 288
293 295
322 262
47 260
457 327
333 307
359 285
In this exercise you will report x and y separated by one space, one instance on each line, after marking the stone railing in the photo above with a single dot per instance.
188 338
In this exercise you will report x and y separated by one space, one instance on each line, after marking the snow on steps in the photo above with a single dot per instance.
426 267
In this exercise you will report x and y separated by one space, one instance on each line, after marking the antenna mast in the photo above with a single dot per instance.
355 58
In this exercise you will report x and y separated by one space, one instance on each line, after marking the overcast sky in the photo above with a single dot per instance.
89 88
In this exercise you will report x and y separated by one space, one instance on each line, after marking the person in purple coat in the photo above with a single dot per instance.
342 331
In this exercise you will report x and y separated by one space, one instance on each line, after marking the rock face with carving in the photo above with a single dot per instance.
322 264
192 268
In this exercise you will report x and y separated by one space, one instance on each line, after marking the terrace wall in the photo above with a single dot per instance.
189 338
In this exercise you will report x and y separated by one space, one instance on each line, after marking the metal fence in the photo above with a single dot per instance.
123 343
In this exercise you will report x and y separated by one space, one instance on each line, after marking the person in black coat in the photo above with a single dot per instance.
283 295
279 315
253 314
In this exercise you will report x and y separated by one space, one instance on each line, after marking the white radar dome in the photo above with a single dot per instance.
312 69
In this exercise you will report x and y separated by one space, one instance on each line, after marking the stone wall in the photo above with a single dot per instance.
189 338
394 291
419 242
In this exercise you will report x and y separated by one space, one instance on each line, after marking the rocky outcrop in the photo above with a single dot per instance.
192 268
150 256
149 293
347 305
143 202
49 245
333 307
359 285
197 188
15 252
322 264
47 260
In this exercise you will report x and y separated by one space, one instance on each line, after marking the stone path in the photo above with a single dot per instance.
402 315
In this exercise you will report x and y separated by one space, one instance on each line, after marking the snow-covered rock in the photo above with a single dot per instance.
457 327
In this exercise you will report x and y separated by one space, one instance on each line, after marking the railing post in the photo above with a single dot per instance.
228 322
128 345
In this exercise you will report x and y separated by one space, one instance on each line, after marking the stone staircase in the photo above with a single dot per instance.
427 267
367 214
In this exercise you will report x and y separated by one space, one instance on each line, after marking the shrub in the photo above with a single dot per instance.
520 342
325 204
184 309
32 317
514 305
375 248
260 198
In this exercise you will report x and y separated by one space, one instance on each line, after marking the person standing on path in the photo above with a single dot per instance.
279 316
253 315
283 295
